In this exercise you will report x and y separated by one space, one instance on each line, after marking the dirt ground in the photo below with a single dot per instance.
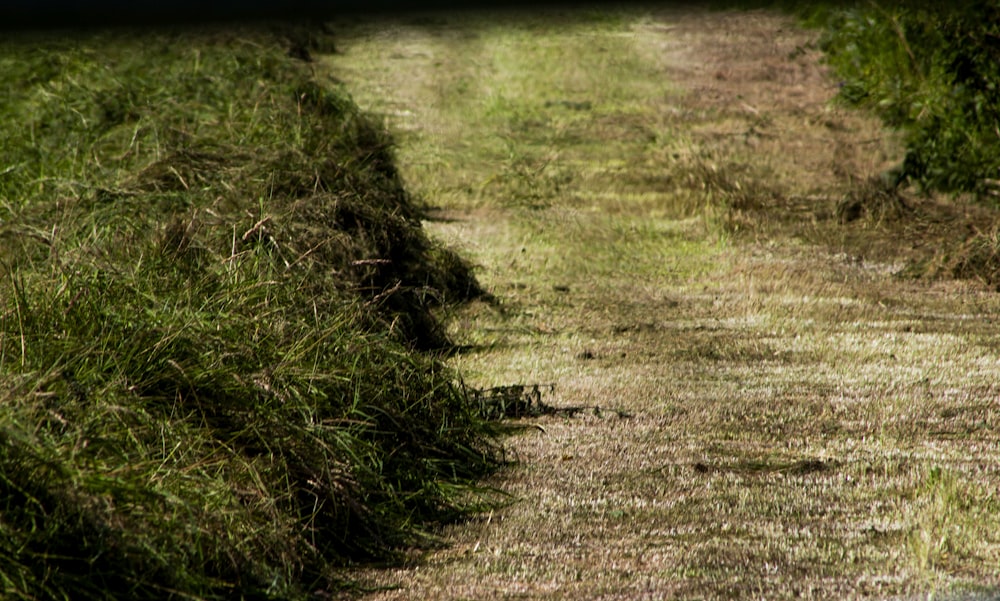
658 199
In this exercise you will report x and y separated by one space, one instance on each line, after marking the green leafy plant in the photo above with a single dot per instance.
933 71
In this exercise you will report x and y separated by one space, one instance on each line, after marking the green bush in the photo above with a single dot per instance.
212 284
931 70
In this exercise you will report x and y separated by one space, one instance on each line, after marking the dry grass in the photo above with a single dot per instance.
805 424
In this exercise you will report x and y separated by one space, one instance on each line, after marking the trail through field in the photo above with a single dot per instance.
773 411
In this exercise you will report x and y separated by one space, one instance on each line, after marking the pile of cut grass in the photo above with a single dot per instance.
213 289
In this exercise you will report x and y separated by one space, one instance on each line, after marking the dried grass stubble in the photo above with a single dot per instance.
936 237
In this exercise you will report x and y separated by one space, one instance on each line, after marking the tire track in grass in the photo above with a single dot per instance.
804 424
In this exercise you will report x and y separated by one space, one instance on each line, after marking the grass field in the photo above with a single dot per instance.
225 292
681 227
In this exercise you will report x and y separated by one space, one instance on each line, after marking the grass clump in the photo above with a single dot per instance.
212 288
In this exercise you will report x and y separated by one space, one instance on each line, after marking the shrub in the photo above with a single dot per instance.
933 71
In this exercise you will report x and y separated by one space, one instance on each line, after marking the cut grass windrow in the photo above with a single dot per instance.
212 283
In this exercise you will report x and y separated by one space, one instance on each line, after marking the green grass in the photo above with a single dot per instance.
525 136
212 287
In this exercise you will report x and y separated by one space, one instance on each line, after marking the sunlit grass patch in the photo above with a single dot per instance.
952 514
512 122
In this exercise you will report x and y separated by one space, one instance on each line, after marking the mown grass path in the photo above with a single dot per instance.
804 424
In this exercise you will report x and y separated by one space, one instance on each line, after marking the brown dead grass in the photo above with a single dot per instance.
805 423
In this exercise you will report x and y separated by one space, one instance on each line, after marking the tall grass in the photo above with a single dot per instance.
212 286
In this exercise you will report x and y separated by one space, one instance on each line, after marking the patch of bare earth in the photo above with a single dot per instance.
778 413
